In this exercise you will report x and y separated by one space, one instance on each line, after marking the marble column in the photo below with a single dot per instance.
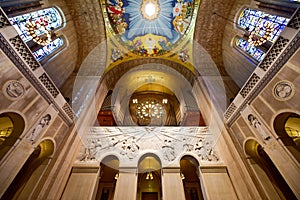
126 187
82 183
217 183
172 186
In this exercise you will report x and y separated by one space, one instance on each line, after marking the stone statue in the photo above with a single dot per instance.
42 123
257 125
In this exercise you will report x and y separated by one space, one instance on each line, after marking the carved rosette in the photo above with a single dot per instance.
13 90
283 90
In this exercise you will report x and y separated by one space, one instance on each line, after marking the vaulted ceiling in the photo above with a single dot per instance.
89 23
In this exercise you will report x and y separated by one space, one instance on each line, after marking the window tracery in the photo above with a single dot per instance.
259 28
39 26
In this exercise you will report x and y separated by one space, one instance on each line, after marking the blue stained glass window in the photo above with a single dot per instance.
48 49
252 51
250 19
49 16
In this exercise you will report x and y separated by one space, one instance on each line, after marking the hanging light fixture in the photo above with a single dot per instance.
117 176
182 176
149 176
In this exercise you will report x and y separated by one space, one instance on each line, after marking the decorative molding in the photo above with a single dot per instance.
68 110
273 53
278 63
49 85
25 52
3 20
29 75
230 110
295 21
13 90
129 143
249 85
283 90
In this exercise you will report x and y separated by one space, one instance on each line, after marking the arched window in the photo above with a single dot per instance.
255 53
43 52
39 27
189 173
261 30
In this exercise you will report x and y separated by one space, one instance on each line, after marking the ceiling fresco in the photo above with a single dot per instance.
147 28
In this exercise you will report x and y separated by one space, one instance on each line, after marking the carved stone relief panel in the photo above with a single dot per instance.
13 90
129 143
283 90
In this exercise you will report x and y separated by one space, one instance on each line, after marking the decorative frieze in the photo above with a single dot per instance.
273 53
3 20
295 21
129 143
49 85
23 50
249 85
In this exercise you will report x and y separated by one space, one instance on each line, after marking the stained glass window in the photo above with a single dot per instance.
48 49
250 19
50 18
250 50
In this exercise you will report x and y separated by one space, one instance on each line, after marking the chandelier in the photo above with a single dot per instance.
261 34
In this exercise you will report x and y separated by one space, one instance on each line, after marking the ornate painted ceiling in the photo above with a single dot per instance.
89 22
149 28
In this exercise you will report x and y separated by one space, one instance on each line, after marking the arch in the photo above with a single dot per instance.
30 173
189 173
109 173
149 176
267 173
287 127
12 126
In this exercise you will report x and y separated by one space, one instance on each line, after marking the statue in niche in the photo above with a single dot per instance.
257 125
44 121
168 151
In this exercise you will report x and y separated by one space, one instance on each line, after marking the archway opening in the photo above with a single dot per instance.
149 178
271 179
109 173
189 173
11 127
287 127
28 176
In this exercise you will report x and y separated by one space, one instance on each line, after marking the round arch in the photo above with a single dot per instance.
12 125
